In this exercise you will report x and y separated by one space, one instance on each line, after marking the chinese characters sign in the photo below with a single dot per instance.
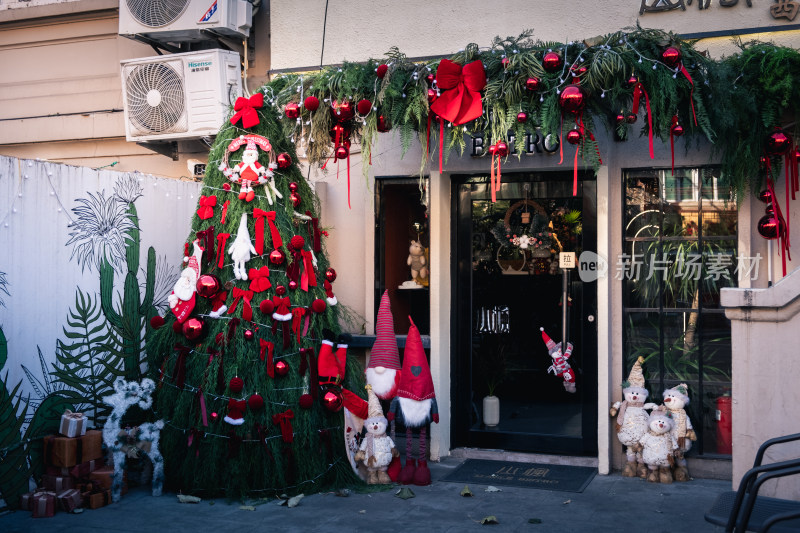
780 9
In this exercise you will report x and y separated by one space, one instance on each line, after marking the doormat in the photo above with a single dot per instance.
529 475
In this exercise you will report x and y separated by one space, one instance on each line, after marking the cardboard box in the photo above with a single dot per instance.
83 470
57 483
26 501
44 504
69 500
72 424
103 478
66 452
98 499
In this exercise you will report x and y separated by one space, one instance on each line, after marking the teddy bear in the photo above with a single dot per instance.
675 399
377 449
416 260
632 420
658 446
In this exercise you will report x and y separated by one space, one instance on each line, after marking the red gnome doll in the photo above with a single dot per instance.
415 404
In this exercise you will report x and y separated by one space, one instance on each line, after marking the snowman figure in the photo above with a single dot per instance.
675 399
658 446
632 420
377 449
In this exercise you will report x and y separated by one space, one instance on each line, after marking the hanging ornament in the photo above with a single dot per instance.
769 226
311 103
574 137
572 99
249 335
280 290
266 307
292 110
430 78
208 285
364 107
281 368
293 187
671 57
255 402
633 81
306 401
778 143
552 61
193 328
177 327
297 242
318 306
236 385
214 416
505 61
342 152
522 117
295 198
765 196
292 285
277 257
533 84
250 172
342 111
330 275
226 187
501 148
620 118
206 209
157 321
332 400
381 71
630 118
383 124
284 160
432 96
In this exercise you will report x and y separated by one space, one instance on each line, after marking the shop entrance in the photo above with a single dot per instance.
509 285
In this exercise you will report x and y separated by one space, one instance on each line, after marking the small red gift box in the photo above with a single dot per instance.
103 478
69 500
57 483
83 470
44 504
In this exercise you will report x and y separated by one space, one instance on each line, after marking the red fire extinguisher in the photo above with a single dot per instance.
724 431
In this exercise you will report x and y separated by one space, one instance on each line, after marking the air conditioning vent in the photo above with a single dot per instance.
185 20
155 98
156 13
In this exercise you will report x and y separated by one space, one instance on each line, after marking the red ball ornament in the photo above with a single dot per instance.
214 416
533 84
208 285
364 107
383 124
284 160
671 57
193 328
502 148
677 130
430 79
255 402
330 275
295 198
381 71
778 143
156 322
522 117
280 290
432 96
297 242
311 103
769 226
236 385
281 368
573 99
332 400
505 61
632 81
574 137
292 285
342 152
319 305
620 118
765 196
552 61
226 186
249 335
277 257
293 187
266 307
492 149
292 110
342 111
630 118
306 401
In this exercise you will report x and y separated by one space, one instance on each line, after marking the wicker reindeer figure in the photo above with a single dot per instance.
145 436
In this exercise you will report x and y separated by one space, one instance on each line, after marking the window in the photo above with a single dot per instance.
679 250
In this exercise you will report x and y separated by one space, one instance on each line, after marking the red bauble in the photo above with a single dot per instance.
236 385
330 275
249 335
297 242
319 305
339 134
342 111
342 152
306 401
501 148
778 143
293 187
156 322
769 226
522 117
295 198
208 285
533 84
552 61
432 96
284 160
277 257
574 137
671 57
193 328
281 368
255 402
292 110
226 186
765 196
630 118
572 99
214 416
292 285
266 307
492 149
364 107
505 61
381 71
332 400
280 290
383 124
633 80
311 103
677 130
620 118
430 78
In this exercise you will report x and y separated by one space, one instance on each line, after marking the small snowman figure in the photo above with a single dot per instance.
658 446
675 400
632 420
377 449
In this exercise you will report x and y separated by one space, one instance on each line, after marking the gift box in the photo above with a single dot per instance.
66 452
57 483
57 470
97 499
83 470
69 500
26 501
103 478
44 504
72 424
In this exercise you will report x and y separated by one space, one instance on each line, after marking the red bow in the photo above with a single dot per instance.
239 294
259 279
260 215
206 209
246 110
267 349
284 420
464 103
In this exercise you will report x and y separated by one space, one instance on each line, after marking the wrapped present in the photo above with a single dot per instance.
66 452
72 424
57 470
44 504
26 501
103 478
69 500
97 499
83 470
57 483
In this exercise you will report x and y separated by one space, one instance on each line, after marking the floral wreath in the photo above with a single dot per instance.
248 140
534 240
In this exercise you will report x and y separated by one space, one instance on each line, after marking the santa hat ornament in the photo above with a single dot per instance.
384 367
330 365
218 306
236 408
551 346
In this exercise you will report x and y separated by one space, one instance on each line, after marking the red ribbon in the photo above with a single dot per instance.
221 238
309 277
259 279
246 110
262 437
267 349
460 101
313 232
179 372
284 420
783 232
297 321
206 209
259 215
225 210
194 438
202 398
691 93
637 92
207 238
247 311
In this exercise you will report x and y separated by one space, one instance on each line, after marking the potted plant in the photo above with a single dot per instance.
493 367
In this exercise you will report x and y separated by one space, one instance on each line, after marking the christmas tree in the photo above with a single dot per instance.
252 375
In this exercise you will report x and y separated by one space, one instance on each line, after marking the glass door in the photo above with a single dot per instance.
522 394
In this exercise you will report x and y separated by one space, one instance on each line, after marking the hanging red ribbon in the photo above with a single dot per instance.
220 370
258 215
259 279
691 93
313 232
225 211
262 438
221 238
309 278
194 439
266 350
297 321
203 413
284 420
303 363
179 372
638 91
246 110
783 233
206 209
246 296
207 239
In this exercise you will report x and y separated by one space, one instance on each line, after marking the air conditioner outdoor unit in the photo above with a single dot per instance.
185 20
179 96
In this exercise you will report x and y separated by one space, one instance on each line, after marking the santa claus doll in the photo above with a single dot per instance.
250 171
182 299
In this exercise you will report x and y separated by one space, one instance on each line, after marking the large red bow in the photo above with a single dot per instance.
463 104
284 420
206 209
239 294
246 110
259 279
260 215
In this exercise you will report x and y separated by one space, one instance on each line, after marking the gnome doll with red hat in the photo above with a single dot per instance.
415 405
182 299
560 366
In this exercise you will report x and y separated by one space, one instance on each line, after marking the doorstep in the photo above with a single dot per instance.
520 457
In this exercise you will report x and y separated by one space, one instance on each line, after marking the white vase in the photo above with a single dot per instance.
491 411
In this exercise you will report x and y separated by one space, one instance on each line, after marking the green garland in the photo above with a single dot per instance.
760 81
